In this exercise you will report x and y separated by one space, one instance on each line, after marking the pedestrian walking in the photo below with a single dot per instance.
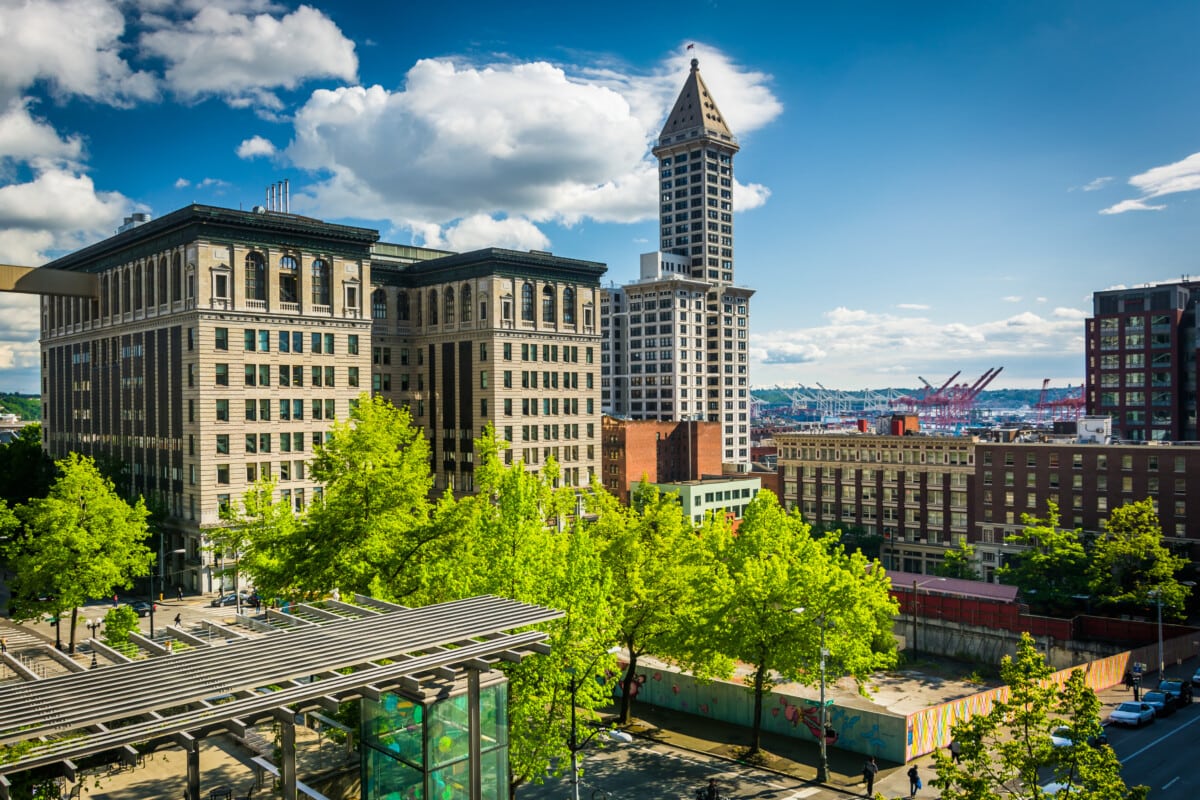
114 601
1128 680
870 770
914 781
710 792
3 645
179 593
178 620
955 751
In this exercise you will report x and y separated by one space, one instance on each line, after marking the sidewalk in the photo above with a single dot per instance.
796 758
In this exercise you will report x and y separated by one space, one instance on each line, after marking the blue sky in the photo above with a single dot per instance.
922 188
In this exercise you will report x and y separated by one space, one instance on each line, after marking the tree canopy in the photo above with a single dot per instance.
1130 565
1007 754
959 563
80 542
1052 567
25 469
777 592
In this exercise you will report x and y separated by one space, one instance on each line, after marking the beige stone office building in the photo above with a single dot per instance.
210 347
493 336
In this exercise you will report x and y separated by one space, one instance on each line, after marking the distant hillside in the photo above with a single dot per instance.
25 406
992 398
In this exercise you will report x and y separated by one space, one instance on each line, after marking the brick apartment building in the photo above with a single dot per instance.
925 494
660 451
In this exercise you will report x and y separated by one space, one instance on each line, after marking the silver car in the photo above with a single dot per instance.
1134 714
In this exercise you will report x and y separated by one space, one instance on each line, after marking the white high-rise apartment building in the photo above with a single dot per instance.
676 341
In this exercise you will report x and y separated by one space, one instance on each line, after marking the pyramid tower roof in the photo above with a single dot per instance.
696 110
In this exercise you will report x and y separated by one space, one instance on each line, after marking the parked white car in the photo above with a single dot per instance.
1135 714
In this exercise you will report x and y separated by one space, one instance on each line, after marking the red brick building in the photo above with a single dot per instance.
660 451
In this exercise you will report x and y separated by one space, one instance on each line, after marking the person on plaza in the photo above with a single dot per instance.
870 770
179 592
955 751
710 792
1128 679
178 620
115 601
914 781
3 645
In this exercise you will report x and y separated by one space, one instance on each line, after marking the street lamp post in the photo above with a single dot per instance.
1161 665
823 766
93 626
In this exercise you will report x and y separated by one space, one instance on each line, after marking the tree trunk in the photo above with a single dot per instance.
627 687
74 619
756 728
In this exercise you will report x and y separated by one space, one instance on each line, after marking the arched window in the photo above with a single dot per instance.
465 298
256 276
177 278
150 293
379 304
114 293
449 305
126 292
289 280
162 281
548 304
320 282
402 306
568 306
527 302
433 315
137 286
104 295
420 311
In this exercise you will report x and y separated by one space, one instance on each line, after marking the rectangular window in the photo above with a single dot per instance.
222 338
264 341
315 343
297 341
223 410
251 443
222 372
223 444
251 410
329 376
285 342
352 344
248 340
352 376
329 349
250 373
329 409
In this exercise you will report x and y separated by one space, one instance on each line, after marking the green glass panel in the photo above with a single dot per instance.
493 716
394 724
385 778
452 782
449 731
494 775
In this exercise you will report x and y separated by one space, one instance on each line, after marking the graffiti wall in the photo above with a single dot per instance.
874 732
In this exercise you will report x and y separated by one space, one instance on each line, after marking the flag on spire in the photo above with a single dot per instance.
691 46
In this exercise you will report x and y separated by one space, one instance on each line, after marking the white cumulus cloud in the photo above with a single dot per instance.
243 56
856 347
74 46
255 146
537 142
1181 176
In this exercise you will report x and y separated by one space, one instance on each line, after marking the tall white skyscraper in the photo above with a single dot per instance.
676 341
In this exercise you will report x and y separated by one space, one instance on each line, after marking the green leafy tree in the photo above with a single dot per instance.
657 564
778 591
25 469
80 542
1007 754
259 522
119 622
511 545
959 563
1130 566
372 525
1051 567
